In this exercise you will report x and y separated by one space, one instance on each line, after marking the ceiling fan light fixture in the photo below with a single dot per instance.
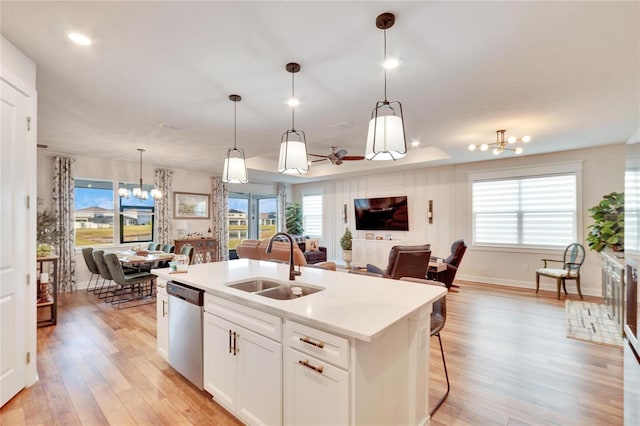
235 165
293 159
386 138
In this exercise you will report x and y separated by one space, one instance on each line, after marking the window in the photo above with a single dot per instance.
93 212
531 211
136 216
312 215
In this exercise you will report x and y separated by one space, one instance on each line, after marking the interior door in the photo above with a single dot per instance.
13 240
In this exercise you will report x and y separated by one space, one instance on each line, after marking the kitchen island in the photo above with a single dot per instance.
355 352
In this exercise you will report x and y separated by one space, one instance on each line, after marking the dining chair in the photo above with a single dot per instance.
87 254
167 248
438 320
153 246
128 285
105 287
188 250
572 260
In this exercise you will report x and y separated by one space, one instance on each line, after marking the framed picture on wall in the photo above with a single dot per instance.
188 205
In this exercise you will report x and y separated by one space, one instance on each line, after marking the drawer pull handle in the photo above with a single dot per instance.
308 341
229 341
305 362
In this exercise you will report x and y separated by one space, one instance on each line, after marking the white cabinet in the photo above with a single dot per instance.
316 392
375 252
162 318
242 368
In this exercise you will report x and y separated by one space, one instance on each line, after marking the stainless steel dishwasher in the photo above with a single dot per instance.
185 331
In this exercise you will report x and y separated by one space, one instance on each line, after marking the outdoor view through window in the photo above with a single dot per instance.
242 225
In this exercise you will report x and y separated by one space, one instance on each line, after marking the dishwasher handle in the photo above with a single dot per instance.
189 294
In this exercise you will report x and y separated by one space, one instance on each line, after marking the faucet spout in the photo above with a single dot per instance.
292 272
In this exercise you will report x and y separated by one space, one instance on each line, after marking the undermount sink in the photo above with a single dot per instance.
254 285
285 292
275 290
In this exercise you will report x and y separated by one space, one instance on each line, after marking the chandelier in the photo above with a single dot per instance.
293 158
386 138
501 144
235 167
139 192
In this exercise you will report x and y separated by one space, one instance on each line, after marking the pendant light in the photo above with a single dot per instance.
293 144
386 138
139 192
235 167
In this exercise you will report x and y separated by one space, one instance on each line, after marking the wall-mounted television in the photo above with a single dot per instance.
382 214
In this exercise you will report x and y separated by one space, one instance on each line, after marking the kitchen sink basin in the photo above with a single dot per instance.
275 290
285 292
254 285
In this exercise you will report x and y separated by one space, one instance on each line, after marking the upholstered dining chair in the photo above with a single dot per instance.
188 250
438 320
87 254
167 248
127 285
571 262
105 287
405 261
458 248
153 246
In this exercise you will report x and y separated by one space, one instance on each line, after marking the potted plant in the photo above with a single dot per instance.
294 219
345 243
48 235
608 227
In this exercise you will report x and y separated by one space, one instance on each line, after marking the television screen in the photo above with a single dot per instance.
382 214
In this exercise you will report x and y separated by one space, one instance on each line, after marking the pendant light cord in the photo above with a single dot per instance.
141 171
235 117
384 65
293 97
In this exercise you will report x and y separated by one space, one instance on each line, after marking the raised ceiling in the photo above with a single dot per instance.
567 73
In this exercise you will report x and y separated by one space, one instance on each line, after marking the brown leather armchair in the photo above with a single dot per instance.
405 261
458 248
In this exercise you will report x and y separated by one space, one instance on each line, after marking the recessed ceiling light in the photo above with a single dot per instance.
415 143
293 102
391 63
80 39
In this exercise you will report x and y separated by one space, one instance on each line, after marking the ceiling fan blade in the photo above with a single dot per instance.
316 161
353 157
341 153
318 155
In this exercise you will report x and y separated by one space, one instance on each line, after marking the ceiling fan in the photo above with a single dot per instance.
337 156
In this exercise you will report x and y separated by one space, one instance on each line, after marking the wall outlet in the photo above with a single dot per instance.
525 267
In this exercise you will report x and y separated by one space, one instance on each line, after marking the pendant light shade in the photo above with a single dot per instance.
235 166
386 136
293 143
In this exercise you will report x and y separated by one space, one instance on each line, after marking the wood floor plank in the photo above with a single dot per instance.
508 358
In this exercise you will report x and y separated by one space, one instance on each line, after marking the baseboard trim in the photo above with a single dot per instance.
546 286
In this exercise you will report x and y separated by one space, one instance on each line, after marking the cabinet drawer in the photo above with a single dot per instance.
322 345
260 322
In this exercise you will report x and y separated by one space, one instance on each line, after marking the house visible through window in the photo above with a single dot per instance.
312 215
93 212
533 211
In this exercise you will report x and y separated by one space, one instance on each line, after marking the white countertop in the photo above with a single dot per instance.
353 305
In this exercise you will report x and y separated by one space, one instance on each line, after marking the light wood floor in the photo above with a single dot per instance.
509 364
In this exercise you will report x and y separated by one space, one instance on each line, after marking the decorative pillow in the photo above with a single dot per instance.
311 245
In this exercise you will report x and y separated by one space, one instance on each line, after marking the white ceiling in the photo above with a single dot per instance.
566 73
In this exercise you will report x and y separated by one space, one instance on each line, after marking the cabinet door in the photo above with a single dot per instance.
220 361
259 379
162 317
314 397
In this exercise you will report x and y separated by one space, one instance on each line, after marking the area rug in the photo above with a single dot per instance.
591 322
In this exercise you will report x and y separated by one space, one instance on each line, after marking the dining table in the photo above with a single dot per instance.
130 257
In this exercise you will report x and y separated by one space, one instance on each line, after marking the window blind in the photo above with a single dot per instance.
312 215
529 211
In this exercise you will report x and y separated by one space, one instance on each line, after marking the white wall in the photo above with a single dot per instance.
448 187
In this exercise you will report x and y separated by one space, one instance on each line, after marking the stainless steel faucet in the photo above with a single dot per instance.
292 273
